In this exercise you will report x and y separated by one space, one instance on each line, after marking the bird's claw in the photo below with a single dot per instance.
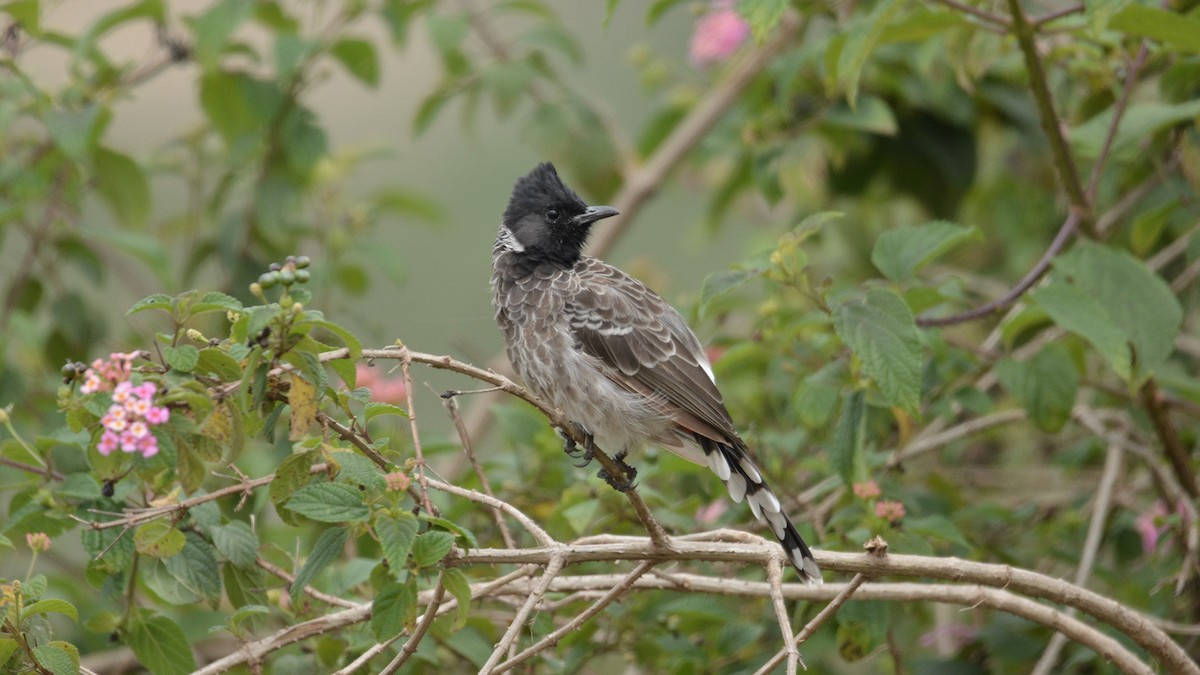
630 475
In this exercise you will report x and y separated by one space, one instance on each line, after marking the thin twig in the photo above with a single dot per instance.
816 622
312 592
1056 14
553 566
534 529
775 578
29 468
994 19
596 607
1113 462
405 359
959 431
410 647
1177 455
451 404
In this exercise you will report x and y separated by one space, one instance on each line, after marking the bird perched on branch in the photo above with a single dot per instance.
610 353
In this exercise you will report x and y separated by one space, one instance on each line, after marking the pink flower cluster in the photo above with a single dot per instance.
105 375
128 420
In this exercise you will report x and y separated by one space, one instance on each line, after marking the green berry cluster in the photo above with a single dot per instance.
293 270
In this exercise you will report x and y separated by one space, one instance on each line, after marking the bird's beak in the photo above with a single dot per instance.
594 213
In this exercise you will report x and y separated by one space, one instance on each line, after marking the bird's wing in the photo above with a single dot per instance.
647 347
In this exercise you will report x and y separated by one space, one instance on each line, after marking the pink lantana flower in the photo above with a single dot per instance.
889 510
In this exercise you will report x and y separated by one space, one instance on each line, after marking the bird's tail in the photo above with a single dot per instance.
743 480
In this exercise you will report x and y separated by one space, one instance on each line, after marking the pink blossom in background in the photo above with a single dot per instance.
1152 524
383 389
707 515
958 635
718 34
889 510
867 490
38 541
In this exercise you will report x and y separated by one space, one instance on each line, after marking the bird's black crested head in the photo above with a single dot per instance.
546 221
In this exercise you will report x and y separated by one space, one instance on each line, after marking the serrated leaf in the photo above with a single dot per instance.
375 409
1140 122
903 250
292 474
158 539
453 527
327 548
160 646
396 536
163 584
215 301
55 605
1115 302
881 331
391 609
329 503
196 567
157 301
214 27
237 542
845 448
430 547
456 582
719 283
1045 385
302 397
56 659
182 358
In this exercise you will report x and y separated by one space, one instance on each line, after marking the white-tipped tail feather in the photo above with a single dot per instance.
743 480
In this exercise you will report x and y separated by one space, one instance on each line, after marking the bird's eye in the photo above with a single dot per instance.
552 215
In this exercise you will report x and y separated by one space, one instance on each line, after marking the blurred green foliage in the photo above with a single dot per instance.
895 156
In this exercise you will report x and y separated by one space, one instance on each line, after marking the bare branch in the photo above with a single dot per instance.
790 651
553 566
416 436
817 621
534 529
451 404
605 600
410 647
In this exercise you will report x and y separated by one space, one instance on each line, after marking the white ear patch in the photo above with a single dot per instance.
509 241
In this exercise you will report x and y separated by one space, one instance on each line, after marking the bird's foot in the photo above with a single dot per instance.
630 474
572 448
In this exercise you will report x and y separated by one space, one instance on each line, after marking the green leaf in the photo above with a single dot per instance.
215 301
1045 385
215 361
762 15
719 283
1148 227
845 449
456 582
881 332
122 183
238 104
160 645
1171 28
157 301
1140 122
356 469
237 542
376 409
75 132
49 605
391 610
329 503
327 548
872 114
396 536
163 584
903 250
158 539
292 474
182 358
359 59
196 567
430 547
1126 306
214 27
1074 310
56 658
861 40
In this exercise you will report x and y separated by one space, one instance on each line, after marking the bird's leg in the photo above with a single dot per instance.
630 474
572 449
589 451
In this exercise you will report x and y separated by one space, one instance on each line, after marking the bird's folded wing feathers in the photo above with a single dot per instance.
647 346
